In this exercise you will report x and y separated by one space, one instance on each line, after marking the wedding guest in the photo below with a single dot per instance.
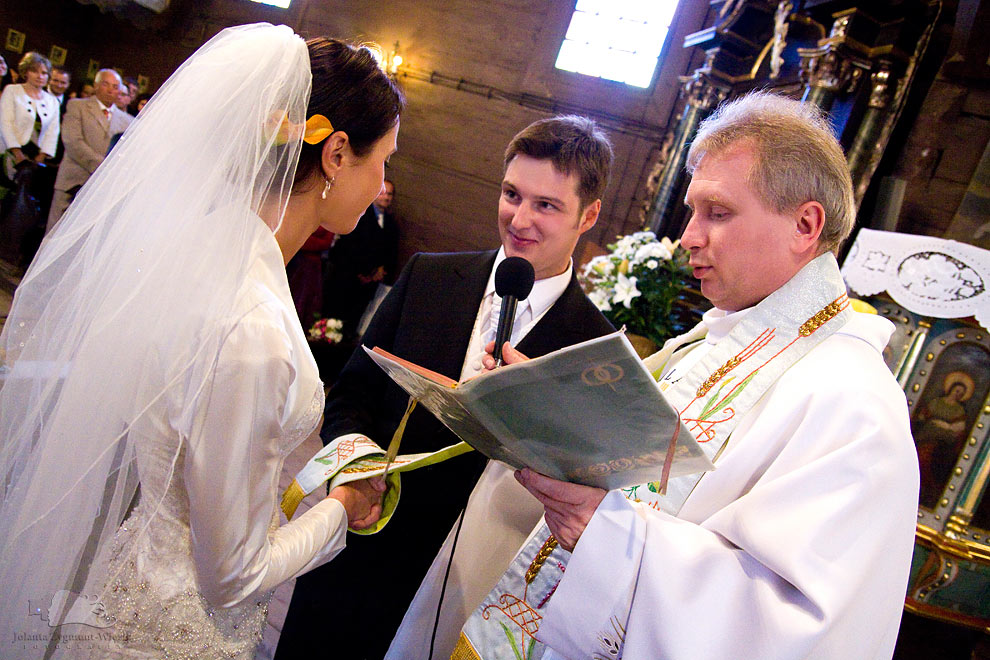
89 125
29 115
58 86
125 96
29 133
362 260
5 77
305 272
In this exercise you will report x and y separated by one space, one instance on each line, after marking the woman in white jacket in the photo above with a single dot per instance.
29 117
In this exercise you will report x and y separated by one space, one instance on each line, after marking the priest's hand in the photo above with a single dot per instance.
568 507
362 500
509 355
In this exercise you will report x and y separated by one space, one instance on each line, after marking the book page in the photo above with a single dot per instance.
587 413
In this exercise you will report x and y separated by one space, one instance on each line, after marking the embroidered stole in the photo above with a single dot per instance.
711 398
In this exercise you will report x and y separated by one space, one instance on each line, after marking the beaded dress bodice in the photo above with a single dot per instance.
152 593
264 398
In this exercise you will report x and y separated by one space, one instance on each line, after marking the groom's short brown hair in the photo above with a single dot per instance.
573 144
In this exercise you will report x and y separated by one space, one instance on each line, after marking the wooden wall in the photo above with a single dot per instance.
449 164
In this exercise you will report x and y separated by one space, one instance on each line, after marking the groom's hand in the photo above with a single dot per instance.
509 355
362 500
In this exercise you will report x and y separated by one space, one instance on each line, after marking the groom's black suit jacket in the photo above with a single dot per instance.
427 318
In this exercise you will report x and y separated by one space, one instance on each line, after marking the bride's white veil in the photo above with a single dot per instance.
117 313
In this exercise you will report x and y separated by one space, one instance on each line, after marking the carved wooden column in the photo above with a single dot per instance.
701 95
867 146
832 67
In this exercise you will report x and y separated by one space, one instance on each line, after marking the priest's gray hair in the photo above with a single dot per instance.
797 158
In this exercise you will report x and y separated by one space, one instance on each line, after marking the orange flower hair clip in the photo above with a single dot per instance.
316 129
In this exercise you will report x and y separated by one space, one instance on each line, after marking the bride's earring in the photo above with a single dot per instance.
328 186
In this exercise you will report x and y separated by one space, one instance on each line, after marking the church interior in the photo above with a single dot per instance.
905 83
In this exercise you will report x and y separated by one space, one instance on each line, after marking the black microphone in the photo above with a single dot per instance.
513 281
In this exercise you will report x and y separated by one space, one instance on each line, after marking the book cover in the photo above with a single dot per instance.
590 413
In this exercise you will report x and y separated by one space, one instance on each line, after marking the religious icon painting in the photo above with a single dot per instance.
949 398
947 393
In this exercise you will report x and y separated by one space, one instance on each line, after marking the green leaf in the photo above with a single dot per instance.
327 459
739 389
707 410
512 641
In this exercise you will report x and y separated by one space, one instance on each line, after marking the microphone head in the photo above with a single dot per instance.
514 277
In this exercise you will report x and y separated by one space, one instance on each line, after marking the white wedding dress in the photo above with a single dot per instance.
171 597
153 348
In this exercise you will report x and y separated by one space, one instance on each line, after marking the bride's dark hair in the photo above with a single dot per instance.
351 90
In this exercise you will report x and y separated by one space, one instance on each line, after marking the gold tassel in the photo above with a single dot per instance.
291 498
464 650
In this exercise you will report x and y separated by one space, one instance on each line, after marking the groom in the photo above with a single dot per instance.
440 315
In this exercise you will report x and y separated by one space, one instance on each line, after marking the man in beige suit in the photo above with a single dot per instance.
87 128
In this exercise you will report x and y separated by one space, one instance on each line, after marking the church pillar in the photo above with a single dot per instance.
831 67
701 95
867 146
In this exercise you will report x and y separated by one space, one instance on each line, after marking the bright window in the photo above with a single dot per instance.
284 4
616 39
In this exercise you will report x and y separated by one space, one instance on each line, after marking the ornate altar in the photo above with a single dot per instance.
940 353
856 60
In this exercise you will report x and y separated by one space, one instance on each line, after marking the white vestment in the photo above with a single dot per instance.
806 527
798 545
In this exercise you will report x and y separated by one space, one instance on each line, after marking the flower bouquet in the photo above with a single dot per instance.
327 330
637 283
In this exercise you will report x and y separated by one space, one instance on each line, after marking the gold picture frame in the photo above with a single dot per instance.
92 69
15 40
57 55
143 84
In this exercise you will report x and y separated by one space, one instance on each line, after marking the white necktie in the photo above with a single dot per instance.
495 315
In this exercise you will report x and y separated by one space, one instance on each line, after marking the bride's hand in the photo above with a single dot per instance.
362 500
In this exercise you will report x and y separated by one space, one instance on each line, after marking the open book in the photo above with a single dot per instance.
590 413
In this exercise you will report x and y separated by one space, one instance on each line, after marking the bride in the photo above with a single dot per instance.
153 372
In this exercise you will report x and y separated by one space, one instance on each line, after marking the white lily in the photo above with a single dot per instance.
625 291
599 297
602 265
